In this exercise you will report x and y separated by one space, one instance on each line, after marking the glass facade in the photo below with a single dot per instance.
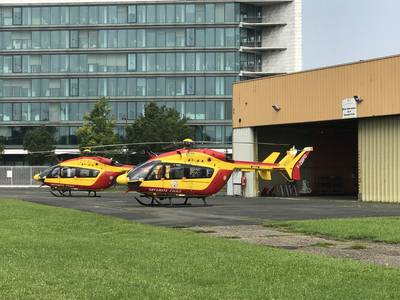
56 61
117 87
211 13
223 62
120 38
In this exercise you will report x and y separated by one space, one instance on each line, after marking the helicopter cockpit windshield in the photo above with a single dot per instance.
141 171
46 172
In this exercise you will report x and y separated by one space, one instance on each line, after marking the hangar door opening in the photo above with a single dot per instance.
332 169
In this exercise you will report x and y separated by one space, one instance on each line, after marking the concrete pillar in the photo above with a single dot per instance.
245 148
288 36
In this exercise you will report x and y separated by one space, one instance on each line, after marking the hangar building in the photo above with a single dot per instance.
349 113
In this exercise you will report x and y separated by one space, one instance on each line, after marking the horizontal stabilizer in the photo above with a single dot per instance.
271 158
265 175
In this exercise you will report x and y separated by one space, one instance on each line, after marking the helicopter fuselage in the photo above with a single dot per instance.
198 172
82 173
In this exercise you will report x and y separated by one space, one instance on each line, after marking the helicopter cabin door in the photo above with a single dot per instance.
198 177
78 177
186 179
174 178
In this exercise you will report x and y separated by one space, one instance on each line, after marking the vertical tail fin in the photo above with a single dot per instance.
292 162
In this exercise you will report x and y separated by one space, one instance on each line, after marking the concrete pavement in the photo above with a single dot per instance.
223 210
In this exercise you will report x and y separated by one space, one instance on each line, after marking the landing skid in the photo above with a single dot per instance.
60 193
68 193
159 202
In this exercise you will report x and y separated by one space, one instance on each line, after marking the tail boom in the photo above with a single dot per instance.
290 164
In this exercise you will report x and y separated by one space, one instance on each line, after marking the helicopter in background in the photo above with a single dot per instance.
199 173
86 173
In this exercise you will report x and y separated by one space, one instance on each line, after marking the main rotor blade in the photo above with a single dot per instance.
179 143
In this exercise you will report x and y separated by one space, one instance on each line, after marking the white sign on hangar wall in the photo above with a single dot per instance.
349 108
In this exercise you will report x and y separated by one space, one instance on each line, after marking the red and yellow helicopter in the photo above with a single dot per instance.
87 173
199 173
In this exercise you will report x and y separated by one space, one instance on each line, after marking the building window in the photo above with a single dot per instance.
74 87
190 111
210 110
160 83
190 85
132 62
132 14
74 15
17 64
112 15
141 13
17 16
161 13
26 16
200 38
210 37
200 13
170 13
200 110
210 13
131 110
122 14
229 12
170 62
219 13
74 39
180 13
93 14
210 86
190 13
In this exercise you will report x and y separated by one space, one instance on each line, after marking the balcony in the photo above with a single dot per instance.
246 43
257 47
253 70
250 66
257 22
254 19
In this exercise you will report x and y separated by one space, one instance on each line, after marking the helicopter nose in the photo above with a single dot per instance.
122 179
37 177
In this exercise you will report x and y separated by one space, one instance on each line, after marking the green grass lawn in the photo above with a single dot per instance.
55 253
379 229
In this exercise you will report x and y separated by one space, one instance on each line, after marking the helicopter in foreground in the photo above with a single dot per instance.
199 173
86 173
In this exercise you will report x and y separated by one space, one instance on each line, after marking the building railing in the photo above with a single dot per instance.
246 19
251 43
250 68
19 176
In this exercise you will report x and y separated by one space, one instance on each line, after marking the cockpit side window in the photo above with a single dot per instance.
87 173
68 172
156 173
174 171
54 173
141 171
200 172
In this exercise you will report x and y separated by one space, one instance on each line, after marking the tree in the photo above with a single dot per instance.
98 126
158 124
40 139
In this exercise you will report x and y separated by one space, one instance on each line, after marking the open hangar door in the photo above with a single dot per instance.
332 169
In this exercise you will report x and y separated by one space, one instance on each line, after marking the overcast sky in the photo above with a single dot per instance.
340 31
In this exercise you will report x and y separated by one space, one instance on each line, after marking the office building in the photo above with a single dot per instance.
57 58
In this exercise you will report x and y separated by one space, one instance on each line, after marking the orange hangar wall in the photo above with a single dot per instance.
349 113
317 95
